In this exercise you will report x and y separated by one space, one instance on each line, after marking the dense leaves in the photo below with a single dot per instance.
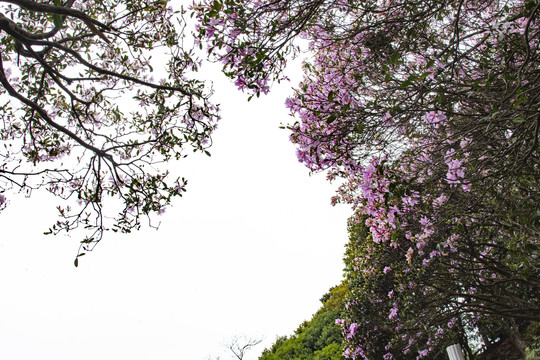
83 115
319 338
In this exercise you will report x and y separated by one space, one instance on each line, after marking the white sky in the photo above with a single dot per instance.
249 249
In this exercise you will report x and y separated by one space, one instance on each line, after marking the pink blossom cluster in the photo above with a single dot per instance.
232 40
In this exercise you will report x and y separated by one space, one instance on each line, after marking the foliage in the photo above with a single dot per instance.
318 338
82 115
429 114
533 350
388 302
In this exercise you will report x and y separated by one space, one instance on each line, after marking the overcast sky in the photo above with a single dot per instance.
249 249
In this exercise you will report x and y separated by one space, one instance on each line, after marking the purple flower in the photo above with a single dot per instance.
352 330
423 353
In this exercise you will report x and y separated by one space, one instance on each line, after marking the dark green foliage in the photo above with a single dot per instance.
320 338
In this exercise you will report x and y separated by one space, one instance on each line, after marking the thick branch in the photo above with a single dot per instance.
54 9
12 92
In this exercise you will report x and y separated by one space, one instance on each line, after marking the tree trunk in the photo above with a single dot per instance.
515 337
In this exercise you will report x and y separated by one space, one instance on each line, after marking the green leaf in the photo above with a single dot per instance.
394 59
407 82
425 75
330 95
57 20
218 5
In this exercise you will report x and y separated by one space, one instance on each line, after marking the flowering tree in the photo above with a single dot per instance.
430 113
82 115
383 313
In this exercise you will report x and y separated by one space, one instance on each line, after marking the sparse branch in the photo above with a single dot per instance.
240 345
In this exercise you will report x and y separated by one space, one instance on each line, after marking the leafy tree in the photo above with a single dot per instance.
387 305
82 115
318 338
428 111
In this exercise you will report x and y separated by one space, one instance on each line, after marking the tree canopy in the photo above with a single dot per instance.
83 115
428 113
317 339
